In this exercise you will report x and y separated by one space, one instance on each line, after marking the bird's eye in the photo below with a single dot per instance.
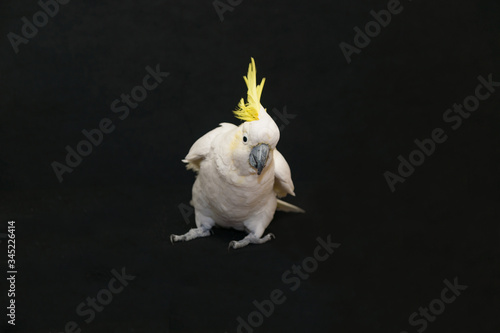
245 138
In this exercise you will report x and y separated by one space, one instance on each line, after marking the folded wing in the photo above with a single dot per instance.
200 149
283 184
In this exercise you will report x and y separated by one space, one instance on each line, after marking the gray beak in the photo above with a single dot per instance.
258 157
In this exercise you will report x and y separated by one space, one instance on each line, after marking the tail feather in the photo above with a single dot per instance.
289 208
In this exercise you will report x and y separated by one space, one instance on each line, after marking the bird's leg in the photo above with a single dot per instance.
201 231
203 228
251 238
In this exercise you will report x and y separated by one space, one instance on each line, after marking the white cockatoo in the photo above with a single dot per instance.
240 173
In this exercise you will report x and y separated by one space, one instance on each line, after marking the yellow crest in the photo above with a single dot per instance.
250 111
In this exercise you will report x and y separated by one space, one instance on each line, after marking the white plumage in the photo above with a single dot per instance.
240 174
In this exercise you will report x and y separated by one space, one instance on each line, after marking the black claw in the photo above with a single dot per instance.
271 235
231 245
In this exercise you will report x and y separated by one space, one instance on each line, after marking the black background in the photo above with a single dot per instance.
119 206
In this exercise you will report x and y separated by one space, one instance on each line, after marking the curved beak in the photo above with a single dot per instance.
258 157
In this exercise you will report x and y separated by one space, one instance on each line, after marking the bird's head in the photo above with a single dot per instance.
258 136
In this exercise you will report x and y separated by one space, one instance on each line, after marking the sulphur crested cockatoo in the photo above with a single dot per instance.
240 173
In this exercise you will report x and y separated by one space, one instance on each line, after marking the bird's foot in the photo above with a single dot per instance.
250 239
191 234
